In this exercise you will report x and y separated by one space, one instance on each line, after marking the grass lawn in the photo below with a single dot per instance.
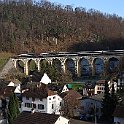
4 57
76 86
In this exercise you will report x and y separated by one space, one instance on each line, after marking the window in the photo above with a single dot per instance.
52 106
49 98
34 105
28 105
54 97
60 104
40 106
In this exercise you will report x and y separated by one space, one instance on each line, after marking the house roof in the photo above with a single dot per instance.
71 94
45 79
17 90
119 111
100 82
41 92
11 84
51 93
74 121
98 97
36 118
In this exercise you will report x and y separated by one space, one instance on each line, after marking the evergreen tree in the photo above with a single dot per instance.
109 103
106 104
113 99
13 108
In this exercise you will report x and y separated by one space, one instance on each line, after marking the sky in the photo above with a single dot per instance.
104 6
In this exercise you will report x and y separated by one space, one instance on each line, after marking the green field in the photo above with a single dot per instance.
4 57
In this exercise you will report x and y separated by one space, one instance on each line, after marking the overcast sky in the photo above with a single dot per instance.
105 6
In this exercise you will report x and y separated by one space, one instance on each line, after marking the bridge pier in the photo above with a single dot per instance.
26 67
37 61
63 65
50 61
15 63
76 63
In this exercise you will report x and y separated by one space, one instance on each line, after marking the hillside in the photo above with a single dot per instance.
48 27
4 58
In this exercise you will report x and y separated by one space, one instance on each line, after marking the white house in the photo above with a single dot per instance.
110 83
18 89
119 115
121 80
41 100
17 84
65 88
14 83
11 84
100 86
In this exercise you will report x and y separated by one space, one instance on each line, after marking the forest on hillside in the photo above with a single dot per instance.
48 27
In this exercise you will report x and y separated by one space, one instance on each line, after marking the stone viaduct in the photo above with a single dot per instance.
76 60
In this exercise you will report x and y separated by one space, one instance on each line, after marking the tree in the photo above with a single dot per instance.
113 99
106 104
109 103
13 108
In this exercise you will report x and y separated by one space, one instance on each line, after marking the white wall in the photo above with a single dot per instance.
65 89
55 100
62 120
47 102
99 88
37 101
117 119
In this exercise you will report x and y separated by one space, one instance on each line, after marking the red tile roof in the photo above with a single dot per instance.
50 93
38 93
36 118
72 94
100 82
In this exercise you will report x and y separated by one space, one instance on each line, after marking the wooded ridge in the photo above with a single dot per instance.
45 26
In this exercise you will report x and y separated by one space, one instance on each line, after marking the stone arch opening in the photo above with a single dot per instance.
20 65
113 65
70 66
84 67
32 66
43 65
98 66
56 64
43 62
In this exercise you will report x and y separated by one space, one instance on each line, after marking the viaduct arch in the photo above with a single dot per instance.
80 63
